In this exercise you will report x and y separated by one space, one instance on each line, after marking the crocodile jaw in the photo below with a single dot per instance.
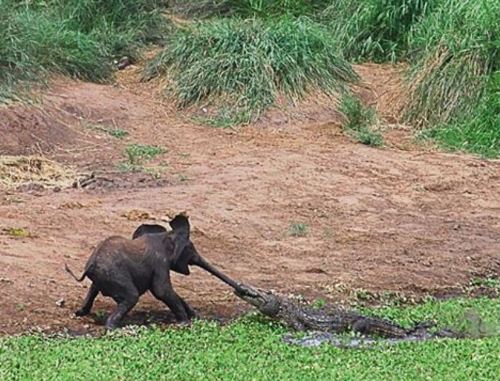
264 301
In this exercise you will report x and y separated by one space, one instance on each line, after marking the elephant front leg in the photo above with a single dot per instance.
162 290
189 310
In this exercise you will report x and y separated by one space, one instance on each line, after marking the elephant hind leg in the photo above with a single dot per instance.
125 302
88 301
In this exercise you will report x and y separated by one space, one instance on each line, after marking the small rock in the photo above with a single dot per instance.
57 189
60 302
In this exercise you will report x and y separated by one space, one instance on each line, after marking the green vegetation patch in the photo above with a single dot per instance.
375 30
248 8
252 349
244 65
138 153
74 38
359 120
478 133
455 78
298 229
117 133
456 51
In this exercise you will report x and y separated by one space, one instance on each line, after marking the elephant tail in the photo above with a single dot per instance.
68 270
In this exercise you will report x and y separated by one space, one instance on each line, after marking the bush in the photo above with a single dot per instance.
375 30
245 64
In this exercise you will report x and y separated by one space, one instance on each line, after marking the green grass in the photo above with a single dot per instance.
74 38
251 349
455 55
32 44
225 118
479 133
298 229
248 8
359 120
244 65
138 153
488 282
455 76
375 30
117 133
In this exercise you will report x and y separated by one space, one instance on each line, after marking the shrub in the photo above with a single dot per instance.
246 63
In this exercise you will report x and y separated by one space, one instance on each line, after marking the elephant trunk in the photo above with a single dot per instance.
200 262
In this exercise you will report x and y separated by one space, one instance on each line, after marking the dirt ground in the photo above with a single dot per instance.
401 218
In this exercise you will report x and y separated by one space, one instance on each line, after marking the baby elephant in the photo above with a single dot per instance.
125 269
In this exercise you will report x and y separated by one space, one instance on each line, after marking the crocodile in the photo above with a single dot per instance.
301 317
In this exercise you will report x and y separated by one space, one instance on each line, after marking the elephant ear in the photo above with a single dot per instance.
180 237
148 229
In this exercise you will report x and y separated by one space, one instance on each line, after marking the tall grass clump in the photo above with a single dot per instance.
32 45
455 76
74 38
245 64
477 133
375 30
456 53
121 25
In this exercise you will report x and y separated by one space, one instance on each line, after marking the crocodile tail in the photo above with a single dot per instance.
421 328
448 333
379 327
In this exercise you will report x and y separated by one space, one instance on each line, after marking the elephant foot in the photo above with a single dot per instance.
110 326
184 323
82 312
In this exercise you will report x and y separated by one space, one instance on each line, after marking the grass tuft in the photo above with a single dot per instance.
298 229
138 153
243 65
117 133
359 120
